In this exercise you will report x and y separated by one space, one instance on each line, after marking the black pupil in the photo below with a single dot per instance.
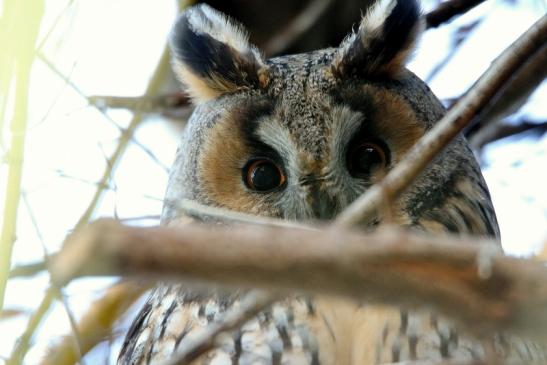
364 159
265 176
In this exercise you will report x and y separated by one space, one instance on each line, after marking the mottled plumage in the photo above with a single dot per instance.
300 137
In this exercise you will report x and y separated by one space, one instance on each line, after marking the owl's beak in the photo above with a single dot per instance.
322 204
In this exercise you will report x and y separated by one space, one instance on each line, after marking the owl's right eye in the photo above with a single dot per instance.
365 157
263 175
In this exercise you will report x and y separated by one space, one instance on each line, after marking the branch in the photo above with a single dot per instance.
501 129
297 27
23 57
206 213
252 304
191 209
96 325
475 283
447 10
513 95
23 342
154 86
142 104
466 110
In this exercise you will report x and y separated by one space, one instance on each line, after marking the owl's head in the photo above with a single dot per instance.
302 136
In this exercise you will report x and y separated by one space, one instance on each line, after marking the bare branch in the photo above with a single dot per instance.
96 325
153 87
475 101
250 306
496 131
23 57
206 213
475 284
24 341
447 10
297 27
142 104
512 96
193 210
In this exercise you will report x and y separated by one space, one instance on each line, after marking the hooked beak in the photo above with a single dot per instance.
323 205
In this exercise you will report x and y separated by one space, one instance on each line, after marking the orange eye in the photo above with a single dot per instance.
365 157
263 175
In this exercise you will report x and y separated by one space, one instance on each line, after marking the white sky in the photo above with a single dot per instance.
107 49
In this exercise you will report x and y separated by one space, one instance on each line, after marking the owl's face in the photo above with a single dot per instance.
301 137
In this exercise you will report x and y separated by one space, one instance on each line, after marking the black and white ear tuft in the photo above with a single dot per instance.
212 55
382 43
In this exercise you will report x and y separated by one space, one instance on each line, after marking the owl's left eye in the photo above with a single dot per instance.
263 175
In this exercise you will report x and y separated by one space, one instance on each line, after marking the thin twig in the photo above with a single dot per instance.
23 342
193 210
297 27
475 283
58 291
464 112
447 10
96 324
206 213
458 37
496 131
513 95
251 304
153 87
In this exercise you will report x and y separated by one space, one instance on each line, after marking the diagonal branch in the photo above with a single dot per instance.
447 10
468 108
301 23
254 302
96 323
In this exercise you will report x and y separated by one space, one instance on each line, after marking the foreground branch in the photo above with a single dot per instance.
474 283
96 325
467 109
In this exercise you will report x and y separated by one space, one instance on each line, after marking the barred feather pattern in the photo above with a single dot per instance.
304 331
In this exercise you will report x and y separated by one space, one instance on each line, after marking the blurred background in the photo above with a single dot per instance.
104 116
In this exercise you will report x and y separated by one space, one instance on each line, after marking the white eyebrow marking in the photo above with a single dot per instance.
271 132
345 123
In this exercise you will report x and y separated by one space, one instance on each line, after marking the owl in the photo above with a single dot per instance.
300 137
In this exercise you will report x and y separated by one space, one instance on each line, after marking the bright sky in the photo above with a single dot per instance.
105 49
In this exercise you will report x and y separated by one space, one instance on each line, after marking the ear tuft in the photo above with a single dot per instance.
212 55
383 42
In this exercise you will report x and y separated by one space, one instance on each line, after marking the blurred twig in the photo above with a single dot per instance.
23 58
459 36
200 212
511 97
142 104
96 324
154 87
475 101
23 342
501 129
74 87
192 348
447 10
301 23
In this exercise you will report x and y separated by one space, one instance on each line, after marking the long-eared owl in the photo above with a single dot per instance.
300 137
